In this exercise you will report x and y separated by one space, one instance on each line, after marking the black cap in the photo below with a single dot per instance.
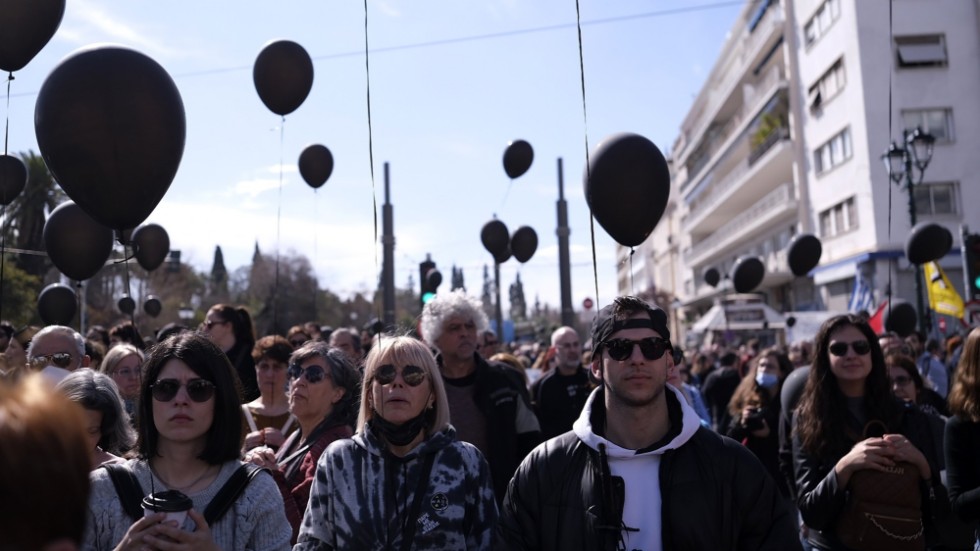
605 324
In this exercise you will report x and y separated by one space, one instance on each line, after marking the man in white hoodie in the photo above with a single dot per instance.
638 471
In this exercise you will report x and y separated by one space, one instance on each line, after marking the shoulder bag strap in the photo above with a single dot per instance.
127 488
228 493
413 513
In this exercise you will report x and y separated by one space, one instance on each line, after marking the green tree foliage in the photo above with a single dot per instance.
18 304
25 216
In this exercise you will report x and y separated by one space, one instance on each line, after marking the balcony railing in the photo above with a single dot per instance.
772 139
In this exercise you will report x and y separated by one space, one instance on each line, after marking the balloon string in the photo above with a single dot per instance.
275 286
588 169
316 286
506 195
80 301
374 190
3 214
128 293
889 183
632 285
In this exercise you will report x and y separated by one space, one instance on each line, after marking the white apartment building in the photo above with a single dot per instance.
786 137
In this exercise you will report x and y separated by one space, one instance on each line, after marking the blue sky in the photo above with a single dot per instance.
451 84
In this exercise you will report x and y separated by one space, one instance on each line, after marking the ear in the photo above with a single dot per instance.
339 394
596 368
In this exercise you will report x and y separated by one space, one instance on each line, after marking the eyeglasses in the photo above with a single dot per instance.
901 380
860 348
198 390
60 359
314 373
653 348
413 375
128 372
208 324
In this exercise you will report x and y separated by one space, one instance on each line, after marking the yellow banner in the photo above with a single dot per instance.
943 298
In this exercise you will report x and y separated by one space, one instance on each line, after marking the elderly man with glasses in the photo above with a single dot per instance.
56 351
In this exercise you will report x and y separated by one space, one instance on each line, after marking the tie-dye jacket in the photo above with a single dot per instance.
362 497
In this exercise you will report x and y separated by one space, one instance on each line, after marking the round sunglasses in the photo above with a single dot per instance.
198 390
413 375
653 348
314 373
59 359
860 348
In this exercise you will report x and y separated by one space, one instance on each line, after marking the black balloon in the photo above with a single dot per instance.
77 245
25 27
283 76
928 242
523 243
110 125
804 254
57 304
316 165
13 178
627 187
496 239
518 158
152 306
747 274
126 305
790 321
503 256
900 317
712 277
151 245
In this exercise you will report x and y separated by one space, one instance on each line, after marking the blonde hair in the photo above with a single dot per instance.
117 354
402 351
964 399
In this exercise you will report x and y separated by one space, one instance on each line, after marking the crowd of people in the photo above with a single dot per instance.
212 438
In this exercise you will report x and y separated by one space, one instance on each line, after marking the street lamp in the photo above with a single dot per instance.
901 163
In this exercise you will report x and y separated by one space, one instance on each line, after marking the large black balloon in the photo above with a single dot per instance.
523 243
151 245
712 277
928 242
13 178
152 306
627 187
747 274
110 125
900 317
283 76
57 304
518 158
126 305
804 254
77 245
496 239
26 26
316 165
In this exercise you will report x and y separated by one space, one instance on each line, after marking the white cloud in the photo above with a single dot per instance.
88 23
255 187
388 9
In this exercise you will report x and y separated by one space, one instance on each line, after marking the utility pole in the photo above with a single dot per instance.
388 267
564 262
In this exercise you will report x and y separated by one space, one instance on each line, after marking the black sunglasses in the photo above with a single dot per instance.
839 349
413 375
198 390
314 373
60 359
653 348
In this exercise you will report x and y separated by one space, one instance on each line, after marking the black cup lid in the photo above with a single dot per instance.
170 501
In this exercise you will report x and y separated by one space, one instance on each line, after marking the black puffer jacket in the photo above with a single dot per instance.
715 495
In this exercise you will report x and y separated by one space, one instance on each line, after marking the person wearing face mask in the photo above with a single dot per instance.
755 410
403 481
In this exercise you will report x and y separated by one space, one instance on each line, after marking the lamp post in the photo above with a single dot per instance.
901 161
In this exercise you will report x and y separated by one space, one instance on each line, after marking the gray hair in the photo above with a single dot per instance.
116 354
59 330
98 392
444 306
342 372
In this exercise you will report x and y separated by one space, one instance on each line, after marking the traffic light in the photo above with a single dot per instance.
971 264
429 280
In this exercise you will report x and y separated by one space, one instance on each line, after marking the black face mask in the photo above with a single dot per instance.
398 435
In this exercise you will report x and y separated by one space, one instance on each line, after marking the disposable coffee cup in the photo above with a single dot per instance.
173 503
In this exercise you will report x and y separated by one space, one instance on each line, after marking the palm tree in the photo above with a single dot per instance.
24 222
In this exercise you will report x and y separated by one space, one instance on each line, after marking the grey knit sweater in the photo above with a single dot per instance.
256 521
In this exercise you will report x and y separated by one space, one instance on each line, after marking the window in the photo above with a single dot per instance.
839 218
936 198
938 122
834 152
828 85
921 50
821 21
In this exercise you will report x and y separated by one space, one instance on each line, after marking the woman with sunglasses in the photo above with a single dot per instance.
267 420
847 395
322 395
403 481
231 329
189 440
122 362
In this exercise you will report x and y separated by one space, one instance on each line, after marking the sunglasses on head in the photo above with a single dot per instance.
840 348
413 375
653 348
198 390
314 373
60 359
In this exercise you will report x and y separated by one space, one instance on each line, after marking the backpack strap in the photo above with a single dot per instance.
228 493
127 488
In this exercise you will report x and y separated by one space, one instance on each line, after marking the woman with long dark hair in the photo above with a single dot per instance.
849 421
231 329
962 444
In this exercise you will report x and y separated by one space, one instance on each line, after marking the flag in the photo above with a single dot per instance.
877 321
943 298
862 298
